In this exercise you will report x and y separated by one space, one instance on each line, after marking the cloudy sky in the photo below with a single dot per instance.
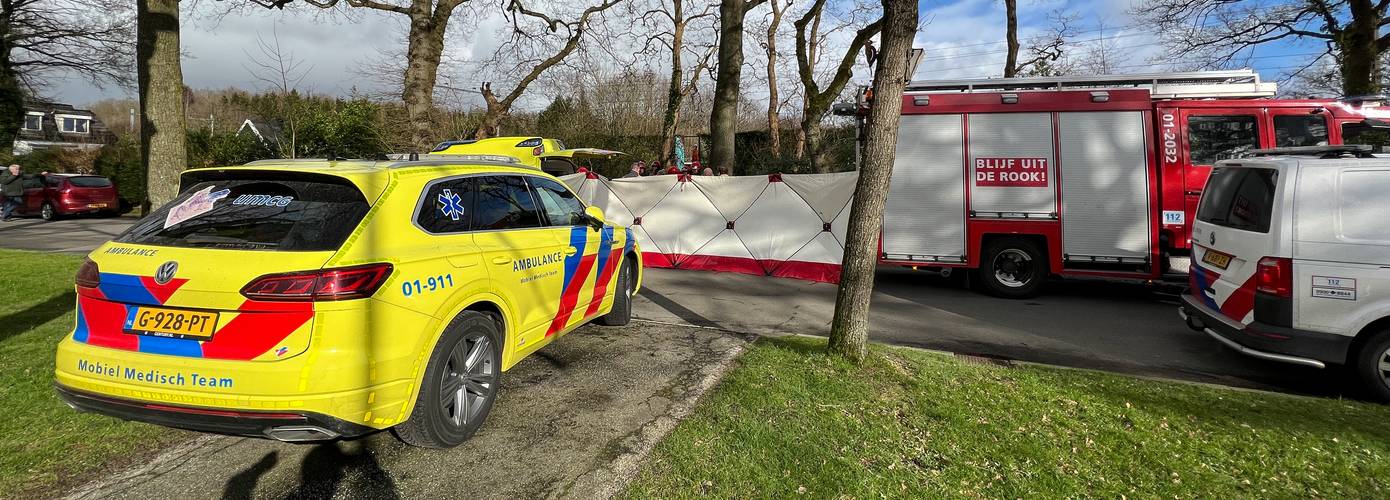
962 38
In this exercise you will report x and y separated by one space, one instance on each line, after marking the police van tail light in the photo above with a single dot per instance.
343 283
1274 276
88 276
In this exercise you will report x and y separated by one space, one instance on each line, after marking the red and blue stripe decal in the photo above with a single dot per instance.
1240 302
104 314
608 261
577 268
1201 279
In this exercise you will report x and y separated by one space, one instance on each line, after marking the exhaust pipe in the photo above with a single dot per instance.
300 433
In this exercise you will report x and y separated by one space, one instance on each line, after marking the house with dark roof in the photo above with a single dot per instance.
53 125
268 132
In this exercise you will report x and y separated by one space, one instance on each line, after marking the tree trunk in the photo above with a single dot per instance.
849 330
492 121
800 151
774 123
160 76
1360 52
674 94
817 100
425 45
723 119
811 138
1011 60
11 96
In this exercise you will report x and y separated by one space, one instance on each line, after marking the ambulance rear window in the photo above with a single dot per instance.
1239 198
284 214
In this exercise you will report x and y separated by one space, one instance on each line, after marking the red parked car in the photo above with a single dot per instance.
56 195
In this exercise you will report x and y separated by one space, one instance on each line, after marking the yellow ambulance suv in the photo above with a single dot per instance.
304 300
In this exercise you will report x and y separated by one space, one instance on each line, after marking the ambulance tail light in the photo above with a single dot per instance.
343 283
89 275
1274 276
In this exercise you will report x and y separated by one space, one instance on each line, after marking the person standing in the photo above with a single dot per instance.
635 170
12 186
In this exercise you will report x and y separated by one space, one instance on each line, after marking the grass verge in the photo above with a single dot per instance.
791 419
43 443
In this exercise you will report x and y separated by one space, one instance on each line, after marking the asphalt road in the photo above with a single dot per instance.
573 421
1121 327
76 235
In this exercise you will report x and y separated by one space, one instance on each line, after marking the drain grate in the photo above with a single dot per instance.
980 359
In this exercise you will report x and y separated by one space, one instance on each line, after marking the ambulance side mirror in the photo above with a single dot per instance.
595 216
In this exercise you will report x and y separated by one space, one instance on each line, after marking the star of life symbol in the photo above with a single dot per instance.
450 205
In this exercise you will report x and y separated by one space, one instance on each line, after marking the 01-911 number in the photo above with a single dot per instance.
430 284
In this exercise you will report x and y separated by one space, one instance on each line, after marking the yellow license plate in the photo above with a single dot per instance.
1217 259
96 205
172 323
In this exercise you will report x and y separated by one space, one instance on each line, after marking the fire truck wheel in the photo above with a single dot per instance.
1013 268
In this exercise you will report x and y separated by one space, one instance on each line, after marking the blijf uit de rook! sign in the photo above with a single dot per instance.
1011 172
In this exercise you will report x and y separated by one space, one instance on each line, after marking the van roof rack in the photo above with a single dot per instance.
1242 83
1331 151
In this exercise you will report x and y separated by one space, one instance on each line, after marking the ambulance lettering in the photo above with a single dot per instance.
138 252
154 376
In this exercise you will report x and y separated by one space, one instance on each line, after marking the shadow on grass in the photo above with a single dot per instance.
22 321
800 345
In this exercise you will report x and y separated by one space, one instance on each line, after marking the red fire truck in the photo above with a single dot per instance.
1020 179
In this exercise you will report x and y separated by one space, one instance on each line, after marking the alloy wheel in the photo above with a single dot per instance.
469 380
1383 366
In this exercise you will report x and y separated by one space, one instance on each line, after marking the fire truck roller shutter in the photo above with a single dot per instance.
1011 165
1105 186
925 216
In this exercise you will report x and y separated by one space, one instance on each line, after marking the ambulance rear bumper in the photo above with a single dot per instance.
288 426
1297 347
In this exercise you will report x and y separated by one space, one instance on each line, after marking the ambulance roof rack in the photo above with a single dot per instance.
1242 83
450 160
1326 152
281 161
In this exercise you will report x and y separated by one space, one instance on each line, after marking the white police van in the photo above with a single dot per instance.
1291 259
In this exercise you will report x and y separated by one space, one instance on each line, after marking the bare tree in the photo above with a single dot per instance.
279 70
723 120
41 39
429 22
669 25
1098 54
574 31
774 102
1011 38
160 75
812 48
849 330
1221 30
819 99
1046 50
